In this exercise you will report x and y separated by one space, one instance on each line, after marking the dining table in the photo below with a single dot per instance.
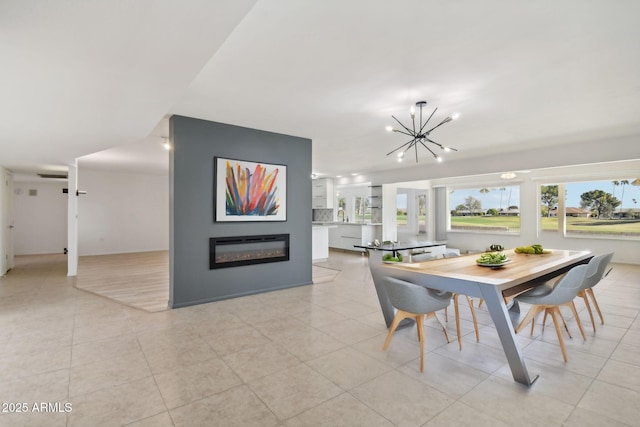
463 275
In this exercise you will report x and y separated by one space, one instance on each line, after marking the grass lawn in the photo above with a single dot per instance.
498 223
627 227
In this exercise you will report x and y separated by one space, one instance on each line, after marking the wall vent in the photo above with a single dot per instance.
33 192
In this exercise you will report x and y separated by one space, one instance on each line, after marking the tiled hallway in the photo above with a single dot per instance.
307 356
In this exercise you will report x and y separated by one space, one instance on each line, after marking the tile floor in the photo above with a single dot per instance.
309 356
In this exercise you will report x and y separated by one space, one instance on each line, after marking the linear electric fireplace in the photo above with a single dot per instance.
246 250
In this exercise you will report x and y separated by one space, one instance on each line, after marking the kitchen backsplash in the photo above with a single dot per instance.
323 215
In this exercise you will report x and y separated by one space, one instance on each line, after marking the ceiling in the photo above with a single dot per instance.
82 77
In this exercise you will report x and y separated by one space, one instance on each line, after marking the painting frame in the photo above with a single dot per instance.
264 199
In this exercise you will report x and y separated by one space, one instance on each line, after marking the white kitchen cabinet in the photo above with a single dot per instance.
322 193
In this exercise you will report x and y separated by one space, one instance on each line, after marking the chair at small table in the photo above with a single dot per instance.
416 302
595 273
563 293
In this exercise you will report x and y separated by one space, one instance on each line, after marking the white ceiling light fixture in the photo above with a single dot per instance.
418 133
508 175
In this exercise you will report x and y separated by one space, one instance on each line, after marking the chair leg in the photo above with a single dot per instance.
399 317
578 321
564 322
552 312
455 307
420 323
583 295
530 317
595 303
446 313
446 335
473 315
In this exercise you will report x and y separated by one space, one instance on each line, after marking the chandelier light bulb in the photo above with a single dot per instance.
389 128
439 159
412 110
455 116
447 149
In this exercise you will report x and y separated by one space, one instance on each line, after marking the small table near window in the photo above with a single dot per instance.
394 248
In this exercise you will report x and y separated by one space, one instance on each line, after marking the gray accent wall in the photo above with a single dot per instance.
195 144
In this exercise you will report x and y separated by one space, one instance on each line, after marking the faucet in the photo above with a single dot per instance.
341 211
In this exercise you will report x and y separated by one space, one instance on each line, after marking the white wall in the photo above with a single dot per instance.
122 212
4 220
41 220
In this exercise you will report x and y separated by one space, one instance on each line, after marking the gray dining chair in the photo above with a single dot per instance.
563 293
595 273
415 302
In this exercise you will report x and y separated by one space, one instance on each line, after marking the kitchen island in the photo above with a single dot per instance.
320 242
344 235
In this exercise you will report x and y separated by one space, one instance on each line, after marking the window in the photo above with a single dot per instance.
486 209
422 213
362 209
401 209
601 208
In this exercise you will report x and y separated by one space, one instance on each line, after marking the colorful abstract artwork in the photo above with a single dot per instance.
250 191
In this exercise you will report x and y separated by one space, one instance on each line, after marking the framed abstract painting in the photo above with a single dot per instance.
249 191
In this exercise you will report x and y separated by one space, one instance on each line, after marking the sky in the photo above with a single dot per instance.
630 192
511 196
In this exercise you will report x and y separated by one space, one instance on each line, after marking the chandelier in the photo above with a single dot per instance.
418 134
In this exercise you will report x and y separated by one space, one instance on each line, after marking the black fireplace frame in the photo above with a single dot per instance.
215 242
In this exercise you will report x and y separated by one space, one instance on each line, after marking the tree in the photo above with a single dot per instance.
492 211
615 184
623 183
549 197
472 204
601 202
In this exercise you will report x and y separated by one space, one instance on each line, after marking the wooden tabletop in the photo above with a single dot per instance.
521 268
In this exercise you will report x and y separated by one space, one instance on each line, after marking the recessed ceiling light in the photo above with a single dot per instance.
338 176
354 174
508 175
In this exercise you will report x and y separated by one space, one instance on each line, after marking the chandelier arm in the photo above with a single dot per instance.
425 146
405 133
433 142
403 145
416 147
425 123
447 120
440 145
406 128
